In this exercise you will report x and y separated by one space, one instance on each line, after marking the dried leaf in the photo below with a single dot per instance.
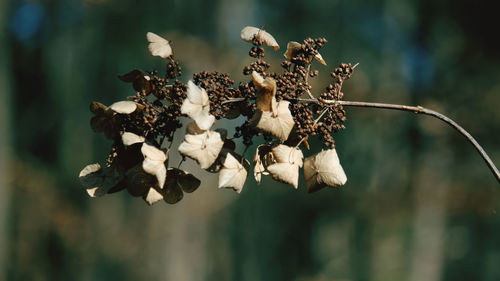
279 125
98 108
249 32
323 169
229 144
232 174
139 79
98 181
197 106
172 193
158 46
186 181
139 182
203 148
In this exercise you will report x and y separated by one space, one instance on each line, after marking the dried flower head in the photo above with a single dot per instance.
267 103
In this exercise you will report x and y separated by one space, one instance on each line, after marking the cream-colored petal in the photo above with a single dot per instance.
197 106
131 138
233 174
263 157
248 33
291 49
204 122
123 107
153 153
285 172
155 168
287 154
324 169
203 148
319 58
279 125
158 46
153 196
266 91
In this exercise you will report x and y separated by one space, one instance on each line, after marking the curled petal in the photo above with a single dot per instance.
158 46
319 58
266 90
131 138
262 159
249 32
292 48
153 163
197 106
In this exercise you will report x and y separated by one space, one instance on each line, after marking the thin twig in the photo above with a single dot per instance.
233 100
314 126
306 79
419 110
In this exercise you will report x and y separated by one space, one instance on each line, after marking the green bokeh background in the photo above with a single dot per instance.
419 203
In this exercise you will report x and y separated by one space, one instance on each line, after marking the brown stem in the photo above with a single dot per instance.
419 110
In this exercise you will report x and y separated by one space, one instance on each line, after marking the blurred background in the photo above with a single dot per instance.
419 203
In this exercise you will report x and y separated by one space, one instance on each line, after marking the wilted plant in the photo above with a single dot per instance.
280 106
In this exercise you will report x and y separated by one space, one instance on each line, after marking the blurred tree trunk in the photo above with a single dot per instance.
4 137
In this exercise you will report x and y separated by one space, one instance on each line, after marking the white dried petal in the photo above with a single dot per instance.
153 196
266 90
123 107
319 58
233 174
291 49
287 154
131 138
279 125
324 169
249 32
203 148
285 172
261 162
153 163
158 46
197 106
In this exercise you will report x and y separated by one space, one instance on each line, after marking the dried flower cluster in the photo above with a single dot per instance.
271 104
